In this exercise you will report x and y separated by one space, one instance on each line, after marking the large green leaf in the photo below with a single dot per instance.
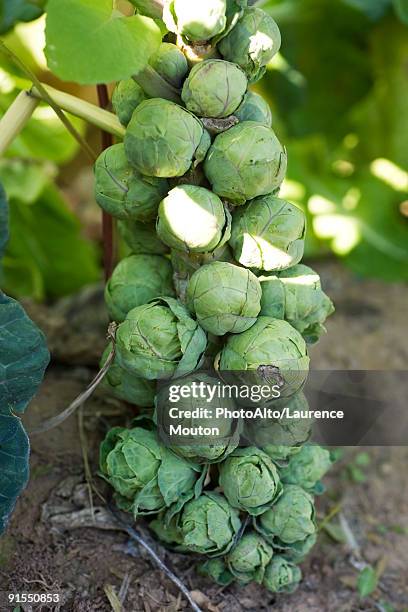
12 11
23 357
89 42
14 467
4 234
46 255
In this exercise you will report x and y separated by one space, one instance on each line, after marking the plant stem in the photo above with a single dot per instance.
84 110
15 119
47 98
108 227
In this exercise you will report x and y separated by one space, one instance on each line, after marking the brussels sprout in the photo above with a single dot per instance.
273 349
281 576
126 96
250 480
146 476
245 161
163 139
209 525
254 108
281 438
141 238
199 448
167 531
248 559
217 570
307 467
127 387
224 297
185 264
296 295
160 340
193 219
214 88
195 21
291 519
252 43
268 234
170 63
297 551
135 281
123 192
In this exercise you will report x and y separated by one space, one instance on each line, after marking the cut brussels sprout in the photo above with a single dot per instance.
268 234
193 219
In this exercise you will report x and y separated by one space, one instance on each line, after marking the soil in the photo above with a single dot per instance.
56 542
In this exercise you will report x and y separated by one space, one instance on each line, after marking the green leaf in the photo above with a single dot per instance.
12 11
367 582
4 233
401 8
21 180
14 467
46 255
23 357
89 42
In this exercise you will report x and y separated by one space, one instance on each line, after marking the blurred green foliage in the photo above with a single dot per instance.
46 256
338 90
12 11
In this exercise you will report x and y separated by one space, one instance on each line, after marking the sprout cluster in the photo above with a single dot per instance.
211 274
